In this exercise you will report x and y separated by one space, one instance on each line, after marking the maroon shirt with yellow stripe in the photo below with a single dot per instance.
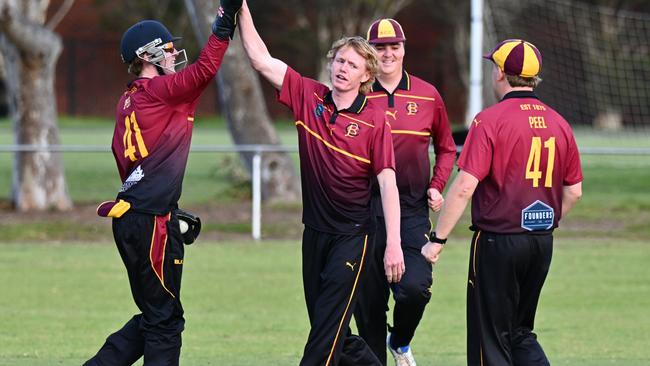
341 151
153 130
416 112
523 153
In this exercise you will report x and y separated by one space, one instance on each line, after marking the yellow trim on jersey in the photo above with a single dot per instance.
356 120
363 160
415 97
344 113
377 96
161 277
409 132
190 118
347 307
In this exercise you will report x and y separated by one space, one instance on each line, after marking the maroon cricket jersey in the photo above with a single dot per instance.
523 153
416 113
153 130
340 153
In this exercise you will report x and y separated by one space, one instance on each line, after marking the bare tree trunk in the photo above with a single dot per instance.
31 52
241 100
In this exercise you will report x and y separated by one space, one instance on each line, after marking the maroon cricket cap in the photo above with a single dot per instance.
385 31
517 57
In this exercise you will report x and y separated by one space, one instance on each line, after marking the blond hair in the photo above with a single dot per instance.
515 81
365 50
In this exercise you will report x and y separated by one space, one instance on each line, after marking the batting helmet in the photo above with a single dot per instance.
385 31
141 36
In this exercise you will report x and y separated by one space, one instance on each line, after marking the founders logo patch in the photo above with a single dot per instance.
537 216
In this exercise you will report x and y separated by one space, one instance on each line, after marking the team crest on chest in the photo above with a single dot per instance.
411 108
352 130
318 111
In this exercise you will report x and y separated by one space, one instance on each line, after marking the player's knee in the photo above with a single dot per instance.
413 293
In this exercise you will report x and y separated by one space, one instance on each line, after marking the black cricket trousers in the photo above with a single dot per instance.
411 294
152 250
506 275
332 267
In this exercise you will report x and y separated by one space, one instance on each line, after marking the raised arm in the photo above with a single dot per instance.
187 85
271 68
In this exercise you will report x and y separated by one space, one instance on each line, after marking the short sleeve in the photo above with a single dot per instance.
292 92
382 153
573 171
476 157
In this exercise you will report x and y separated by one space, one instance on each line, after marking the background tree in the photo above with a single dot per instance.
30 50
329 20
242 102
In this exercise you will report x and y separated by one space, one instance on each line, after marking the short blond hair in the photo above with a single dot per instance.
515 81
365 50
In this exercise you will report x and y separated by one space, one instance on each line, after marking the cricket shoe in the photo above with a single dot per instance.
402 355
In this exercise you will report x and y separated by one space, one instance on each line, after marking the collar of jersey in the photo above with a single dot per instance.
520 94
404 84
135 81
356 107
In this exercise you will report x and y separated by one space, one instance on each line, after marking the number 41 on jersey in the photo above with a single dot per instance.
532 166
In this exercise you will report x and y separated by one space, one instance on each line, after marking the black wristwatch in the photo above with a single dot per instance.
434 239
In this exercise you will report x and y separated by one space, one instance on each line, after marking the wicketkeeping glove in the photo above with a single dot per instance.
226 21
193 223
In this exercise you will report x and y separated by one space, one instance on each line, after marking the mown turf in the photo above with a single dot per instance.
244 304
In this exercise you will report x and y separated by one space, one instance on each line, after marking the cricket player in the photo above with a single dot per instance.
417 115
521 168
151 142
344 142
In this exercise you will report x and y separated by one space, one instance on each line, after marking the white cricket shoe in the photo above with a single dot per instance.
402 355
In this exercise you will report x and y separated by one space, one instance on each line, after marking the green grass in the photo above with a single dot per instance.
616 201
219 177
616 198
244 304
92 177
588 137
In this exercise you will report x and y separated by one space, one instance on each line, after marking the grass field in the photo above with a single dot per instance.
244 304
218 177
616 199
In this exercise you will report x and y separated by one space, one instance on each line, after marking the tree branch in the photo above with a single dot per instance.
29 37
60 14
